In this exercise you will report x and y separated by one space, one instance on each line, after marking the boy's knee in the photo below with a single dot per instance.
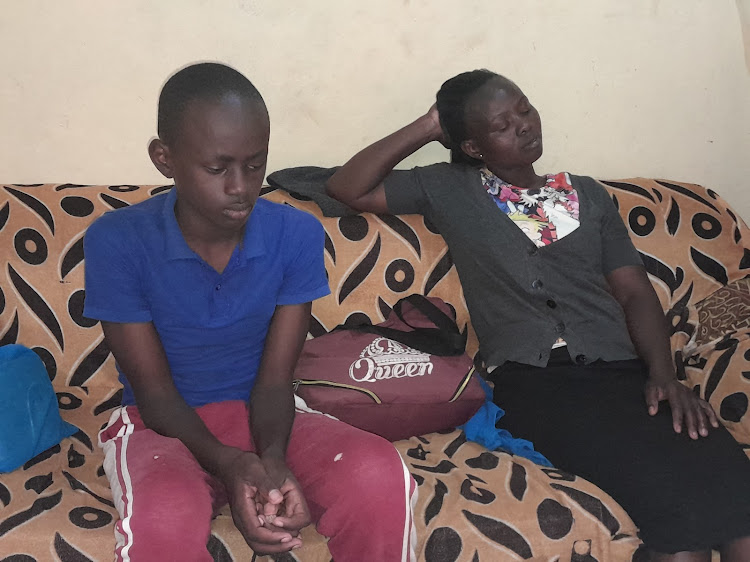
379 472
173 510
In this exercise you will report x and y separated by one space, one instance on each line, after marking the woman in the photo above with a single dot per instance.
565 314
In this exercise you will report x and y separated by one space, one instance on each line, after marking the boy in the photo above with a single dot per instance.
204 294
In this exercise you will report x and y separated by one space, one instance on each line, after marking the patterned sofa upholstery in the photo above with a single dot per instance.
474 505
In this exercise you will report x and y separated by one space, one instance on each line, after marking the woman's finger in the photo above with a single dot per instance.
710 413
678 411
690 420
652 399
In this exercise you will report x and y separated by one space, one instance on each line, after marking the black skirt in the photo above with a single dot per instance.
592 421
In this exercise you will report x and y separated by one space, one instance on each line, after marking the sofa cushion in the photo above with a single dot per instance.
724 311
473 504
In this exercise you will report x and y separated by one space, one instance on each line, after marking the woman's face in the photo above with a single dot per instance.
504 129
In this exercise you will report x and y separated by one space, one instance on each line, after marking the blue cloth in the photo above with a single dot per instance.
30 421
481 428
212 325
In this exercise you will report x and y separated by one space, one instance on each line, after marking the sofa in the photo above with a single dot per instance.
473 504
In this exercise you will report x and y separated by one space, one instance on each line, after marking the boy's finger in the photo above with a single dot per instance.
257 532
264 548
293 522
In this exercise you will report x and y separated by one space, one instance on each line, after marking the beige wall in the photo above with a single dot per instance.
637 87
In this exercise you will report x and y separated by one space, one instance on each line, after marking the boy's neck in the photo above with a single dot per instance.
214 246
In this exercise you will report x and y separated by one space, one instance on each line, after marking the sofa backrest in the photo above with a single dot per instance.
691 240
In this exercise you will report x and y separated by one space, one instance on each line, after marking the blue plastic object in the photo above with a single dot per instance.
30 421
481 429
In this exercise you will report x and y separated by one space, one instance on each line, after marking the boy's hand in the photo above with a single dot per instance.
253 497
292 515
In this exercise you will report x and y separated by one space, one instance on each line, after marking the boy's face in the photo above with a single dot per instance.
218 163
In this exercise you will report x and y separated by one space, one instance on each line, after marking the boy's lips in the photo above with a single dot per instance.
238 211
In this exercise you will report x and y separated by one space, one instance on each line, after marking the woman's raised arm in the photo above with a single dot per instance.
359 182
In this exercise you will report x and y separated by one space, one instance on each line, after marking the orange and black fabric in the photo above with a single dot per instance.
473 504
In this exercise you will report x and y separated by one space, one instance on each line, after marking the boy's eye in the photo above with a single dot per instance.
212 170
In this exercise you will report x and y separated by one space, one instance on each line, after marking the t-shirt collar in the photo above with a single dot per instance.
175 247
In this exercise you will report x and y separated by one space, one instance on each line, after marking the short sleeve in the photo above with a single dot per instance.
305 276
114 289
404 193
617 247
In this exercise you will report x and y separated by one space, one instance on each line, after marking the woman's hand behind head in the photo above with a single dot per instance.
439 132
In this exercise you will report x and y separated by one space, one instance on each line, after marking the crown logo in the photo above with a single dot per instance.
387 352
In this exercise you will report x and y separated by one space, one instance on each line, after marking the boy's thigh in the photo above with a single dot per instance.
148 468
335 459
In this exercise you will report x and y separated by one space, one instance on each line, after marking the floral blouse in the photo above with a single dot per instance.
545 214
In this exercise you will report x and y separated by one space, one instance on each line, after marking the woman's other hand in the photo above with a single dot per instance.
688 410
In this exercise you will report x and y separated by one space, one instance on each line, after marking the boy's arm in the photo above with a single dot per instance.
272 407
139 352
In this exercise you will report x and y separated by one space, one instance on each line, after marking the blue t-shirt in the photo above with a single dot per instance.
212 325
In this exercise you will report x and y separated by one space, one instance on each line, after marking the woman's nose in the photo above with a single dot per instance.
523 126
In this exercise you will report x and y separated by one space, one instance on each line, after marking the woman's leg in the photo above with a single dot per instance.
736 551
703 556
592 421
164 497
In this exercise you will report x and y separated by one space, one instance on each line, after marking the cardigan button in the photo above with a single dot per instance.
537 284
581 359
560 328
551 303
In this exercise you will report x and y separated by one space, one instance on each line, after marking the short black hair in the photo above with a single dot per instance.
452 99
201 81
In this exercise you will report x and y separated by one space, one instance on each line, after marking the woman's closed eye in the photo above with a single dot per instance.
215 170
500 127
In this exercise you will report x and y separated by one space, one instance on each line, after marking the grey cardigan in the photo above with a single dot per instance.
522 298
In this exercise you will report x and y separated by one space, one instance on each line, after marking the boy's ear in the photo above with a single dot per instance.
159 153
470 149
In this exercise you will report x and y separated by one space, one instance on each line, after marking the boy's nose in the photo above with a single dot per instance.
236 183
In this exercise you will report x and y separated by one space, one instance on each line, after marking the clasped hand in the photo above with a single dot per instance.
266 502
687 408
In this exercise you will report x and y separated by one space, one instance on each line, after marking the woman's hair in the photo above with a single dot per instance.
205 81
451 105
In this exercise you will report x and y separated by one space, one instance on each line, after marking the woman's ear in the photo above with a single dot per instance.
159 153
470 148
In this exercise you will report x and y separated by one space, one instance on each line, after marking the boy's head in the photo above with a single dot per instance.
206 81
213 141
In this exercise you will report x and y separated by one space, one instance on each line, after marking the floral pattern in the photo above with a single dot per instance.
544 214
